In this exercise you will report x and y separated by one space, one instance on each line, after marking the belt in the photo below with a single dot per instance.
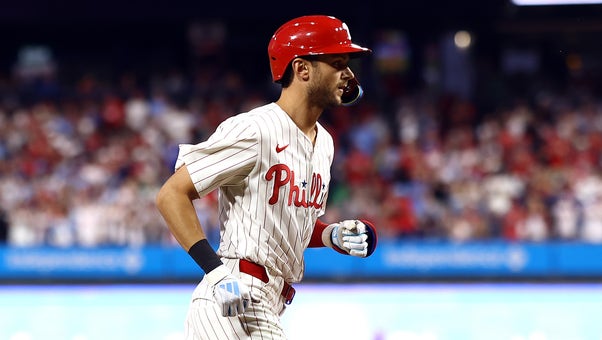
258 271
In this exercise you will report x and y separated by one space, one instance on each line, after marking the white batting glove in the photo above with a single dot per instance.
230 293
350 236
347 237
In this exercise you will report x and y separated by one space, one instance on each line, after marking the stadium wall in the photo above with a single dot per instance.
392 261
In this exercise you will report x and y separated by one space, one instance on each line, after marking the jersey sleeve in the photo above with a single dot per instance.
225 158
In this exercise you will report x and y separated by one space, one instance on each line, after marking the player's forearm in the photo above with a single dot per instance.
174 202
182 223
180 216
179 213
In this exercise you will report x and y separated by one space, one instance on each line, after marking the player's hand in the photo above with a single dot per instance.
230 293
355 237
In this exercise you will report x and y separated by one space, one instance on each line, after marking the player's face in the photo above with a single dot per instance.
330 76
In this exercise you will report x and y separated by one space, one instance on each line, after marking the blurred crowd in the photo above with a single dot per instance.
81 161
528 172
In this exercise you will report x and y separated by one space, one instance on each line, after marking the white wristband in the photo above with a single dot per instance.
327 235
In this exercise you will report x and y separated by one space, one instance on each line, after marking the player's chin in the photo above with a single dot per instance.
338 98
331 101
335 103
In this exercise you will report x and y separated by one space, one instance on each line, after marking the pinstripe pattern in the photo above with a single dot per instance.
273 185
260 321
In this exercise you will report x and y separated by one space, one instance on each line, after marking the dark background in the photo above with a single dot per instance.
136 34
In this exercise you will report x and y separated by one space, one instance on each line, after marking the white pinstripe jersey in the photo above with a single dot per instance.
273 185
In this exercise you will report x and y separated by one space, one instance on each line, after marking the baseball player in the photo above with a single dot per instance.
271 167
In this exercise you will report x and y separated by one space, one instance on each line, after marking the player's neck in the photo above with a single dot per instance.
304 118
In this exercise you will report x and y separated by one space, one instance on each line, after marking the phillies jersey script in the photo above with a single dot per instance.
272 182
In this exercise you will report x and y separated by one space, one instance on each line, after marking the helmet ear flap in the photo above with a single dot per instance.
352 93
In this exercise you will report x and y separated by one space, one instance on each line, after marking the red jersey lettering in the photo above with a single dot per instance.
283 176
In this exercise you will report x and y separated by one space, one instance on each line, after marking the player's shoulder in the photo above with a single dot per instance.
247 122
262 113
254 116
262 118
250 125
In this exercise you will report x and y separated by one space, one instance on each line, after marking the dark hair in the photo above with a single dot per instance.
287 76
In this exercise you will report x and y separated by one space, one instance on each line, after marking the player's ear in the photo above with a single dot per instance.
300 68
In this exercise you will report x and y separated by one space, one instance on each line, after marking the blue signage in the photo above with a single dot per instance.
393 260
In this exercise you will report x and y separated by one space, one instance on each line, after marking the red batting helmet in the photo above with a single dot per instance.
309 35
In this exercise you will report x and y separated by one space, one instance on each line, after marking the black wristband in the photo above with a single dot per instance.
203 254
